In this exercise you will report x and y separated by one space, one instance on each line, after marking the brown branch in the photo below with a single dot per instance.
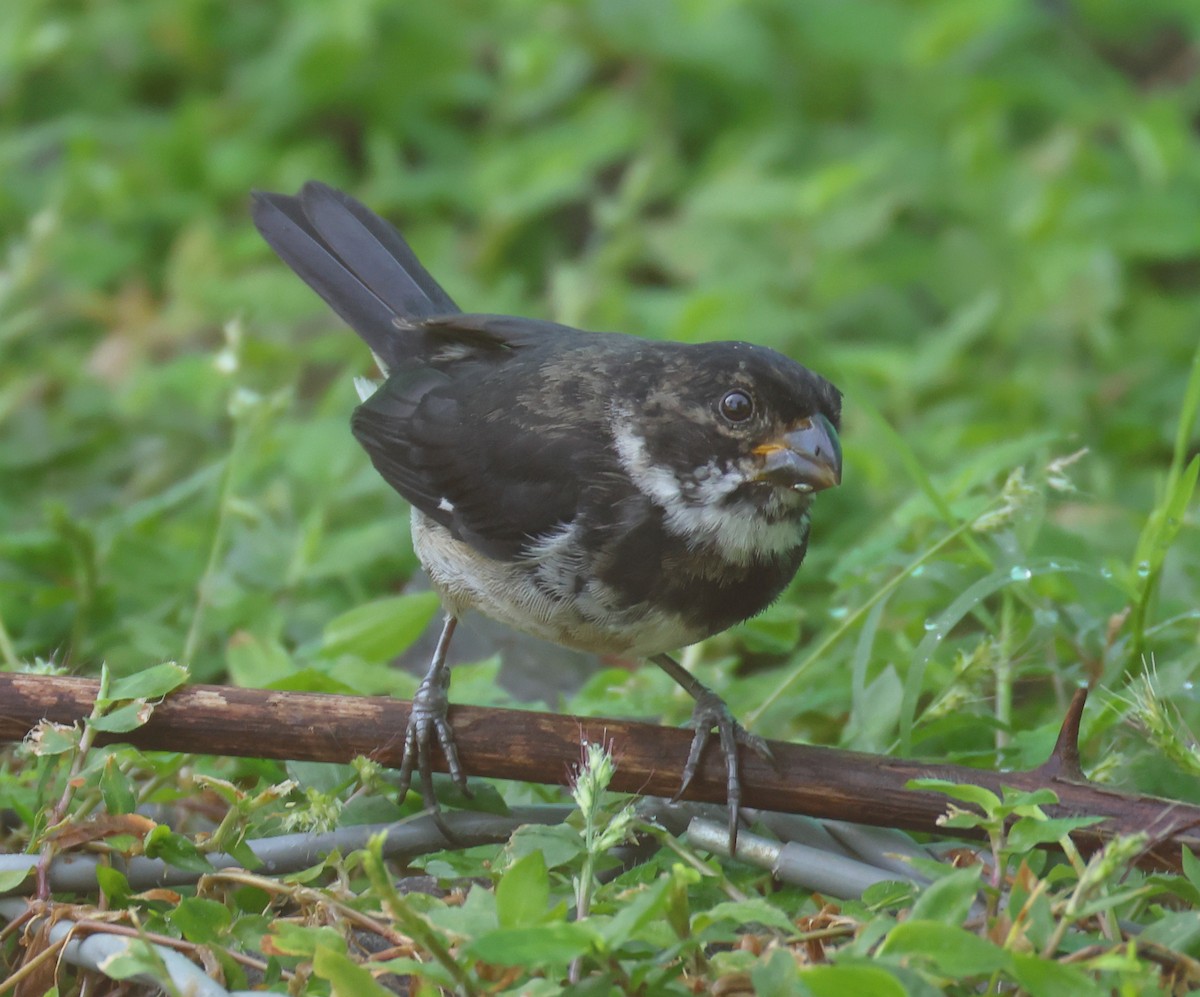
544 747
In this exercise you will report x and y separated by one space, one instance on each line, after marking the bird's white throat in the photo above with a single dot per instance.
699 509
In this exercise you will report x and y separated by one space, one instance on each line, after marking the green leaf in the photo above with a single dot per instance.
380 630
633 914
123 718
948 900
200 920
426 969
54 739
328 777
1191 867
1028 802
150 683
844 981
313 680
775 975
523 892
369 810
1178 931
10 879
175 849
961 791
559 844
136 958
255 663
743 912
347 977
537 946
1047 978
876 711
301 940
116 788
474 917
949 949
113 884
1030 832
888 893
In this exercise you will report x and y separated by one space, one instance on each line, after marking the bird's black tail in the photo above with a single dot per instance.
356 261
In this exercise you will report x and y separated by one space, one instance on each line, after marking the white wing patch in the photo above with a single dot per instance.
365 387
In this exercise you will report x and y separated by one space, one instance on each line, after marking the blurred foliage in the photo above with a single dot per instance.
978 218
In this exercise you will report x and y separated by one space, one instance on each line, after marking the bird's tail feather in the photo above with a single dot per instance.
356 261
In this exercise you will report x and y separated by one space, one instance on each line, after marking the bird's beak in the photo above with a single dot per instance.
808 457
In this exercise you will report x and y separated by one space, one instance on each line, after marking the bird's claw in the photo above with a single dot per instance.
427 721
712 712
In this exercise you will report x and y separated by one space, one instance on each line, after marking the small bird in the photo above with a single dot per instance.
606 492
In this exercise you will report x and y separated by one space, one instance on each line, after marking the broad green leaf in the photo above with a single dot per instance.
380 630
1048 978
328 777
136 958
559 844
149 683
523 892
1029 832
347 977
1178 931
476 916
200 920
114 884
963 792
633 913
124 718
255 663
289 938
1191 867
10 879
844 981
175 849
948 900
53 739
744 912
556 943
116 788
428 969
949 949
775 974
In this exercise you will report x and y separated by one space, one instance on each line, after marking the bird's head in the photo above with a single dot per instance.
731 440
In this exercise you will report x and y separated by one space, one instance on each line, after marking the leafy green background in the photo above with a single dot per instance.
980 219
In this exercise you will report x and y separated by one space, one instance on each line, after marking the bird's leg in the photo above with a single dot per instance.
711 711
427 720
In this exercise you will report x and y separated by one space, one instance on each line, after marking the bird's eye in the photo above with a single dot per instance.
737 405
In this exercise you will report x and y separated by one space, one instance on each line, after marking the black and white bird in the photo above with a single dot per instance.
606 492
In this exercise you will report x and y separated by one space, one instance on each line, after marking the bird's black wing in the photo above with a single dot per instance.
446 429
485 438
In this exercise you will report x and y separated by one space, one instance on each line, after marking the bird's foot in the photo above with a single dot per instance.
711 713
427 722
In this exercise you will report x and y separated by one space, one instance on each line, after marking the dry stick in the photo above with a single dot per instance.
545 747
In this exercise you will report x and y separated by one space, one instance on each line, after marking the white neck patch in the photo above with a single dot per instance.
696 512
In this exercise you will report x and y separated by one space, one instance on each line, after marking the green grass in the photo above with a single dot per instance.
979 219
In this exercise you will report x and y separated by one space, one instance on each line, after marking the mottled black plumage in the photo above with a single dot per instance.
607 492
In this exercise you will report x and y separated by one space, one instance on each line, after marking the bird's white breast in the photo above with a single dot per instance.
540 594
